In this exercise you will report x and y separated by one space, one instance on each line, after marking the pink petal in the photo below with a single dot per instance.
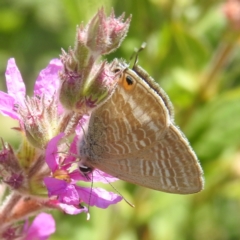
54 186
15 85
97 197
60 108
99 176
70 209
7 105
65 192
73 153
69 196
77 176
42 227
52 152
48 81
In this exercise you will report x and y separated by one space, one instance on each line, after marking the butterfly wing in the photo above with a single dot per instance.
129 121
132 137
168 165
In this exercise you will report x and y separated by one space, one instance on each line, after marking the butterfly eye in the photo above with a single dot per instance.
85 170
128 82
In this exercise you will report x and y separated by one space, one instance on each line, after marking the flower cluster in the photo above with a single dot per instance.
43 173
84 82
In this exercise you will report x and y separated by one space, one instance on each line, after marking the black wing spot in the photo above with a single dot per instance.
129 80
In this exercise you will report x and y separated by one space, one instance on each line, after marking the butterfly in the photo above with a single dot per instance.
132 136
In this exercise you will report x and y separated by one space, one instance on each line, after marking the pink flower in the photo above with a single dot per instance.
17 91
35 114
79 82
41 228
62 184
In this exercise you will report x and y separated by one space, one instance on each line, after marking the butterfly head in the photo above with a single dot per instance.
85 170
83 152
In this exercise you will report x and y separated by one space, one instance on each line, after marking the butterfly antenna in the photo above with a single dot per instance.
136 52
89 200
130 204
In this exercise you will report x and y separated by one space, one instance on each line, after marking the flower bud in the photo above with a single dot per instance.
84 82
11 171
105 34
100 86
82 96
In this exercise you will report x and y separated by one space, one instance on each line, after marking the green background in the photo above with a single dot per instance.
193 53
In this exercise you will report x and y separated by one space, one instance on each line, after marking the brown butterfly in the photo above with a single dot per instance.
132 136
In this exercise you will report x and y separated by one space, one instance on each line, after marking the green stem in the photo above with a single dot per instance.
218 62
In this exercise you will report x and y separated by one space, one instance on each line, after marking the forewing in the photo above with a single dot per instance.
129 121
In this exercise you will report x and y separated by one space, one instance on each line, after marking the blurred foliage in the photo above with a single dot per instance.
194 54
